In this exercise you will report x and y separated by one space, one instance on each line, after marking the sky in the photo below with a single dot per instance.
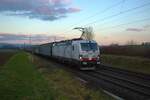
113 21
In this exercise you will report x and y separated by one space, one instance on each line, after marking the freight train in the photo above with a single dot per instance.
85 54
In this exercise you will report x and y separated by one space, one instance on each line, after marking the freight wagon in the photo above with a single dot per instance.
83 53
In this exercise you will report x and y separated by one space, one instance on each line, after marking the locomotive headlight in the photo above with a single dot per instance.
98 57
80 57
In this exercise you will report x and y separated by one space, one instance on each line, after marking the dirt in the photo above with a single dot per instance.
5 56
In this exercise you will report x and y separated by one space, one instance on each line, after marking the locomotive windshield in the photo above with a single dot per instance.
89 46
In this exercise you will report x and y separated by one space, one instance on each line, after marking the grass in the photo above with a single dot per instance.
65 83
19 80
136 64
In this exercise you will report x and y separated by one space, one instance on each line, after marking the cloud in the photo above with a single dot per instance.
23 38
146 26
135 29
143 28
40 9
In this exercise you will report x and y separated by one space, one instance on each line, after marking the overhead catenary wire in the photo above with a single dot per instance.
110 21
122 5
115 15
120 13
97 13
135 21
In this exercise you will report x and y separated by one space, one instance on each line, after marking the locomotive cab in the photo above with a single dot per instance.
89 54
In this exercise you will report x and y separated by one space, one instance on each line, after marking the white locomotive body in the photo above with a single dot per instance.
83 53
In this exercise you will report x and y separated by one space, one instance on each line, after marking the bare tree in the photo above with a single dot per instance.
131 42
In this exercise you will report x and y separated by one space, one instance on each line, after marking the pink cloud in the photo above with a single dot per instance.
40 9
146 26
75 9
24 38
60 1
135 29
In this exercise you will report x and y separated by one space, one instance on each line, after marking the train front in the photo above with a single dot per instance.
89 55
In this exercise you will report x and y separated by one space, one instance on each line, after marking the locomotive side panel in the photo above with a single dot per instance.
83 53
45 49
61 51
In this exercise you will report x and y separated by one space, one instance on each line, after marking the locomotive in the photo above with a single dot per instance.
85 54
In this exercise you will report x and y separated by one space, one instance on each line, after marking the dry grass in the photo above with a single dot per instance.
137 64
66 85
127 50
4 57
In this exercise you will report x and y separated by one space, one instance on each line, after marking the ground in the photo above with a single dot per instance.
25 78
137 64
4 56
19 80
67 85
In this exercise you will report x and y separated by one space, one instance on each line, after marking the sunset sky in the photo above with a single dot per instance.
113 21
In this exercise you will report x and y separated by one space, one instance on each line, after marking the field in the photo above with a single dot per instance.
20 81
26 78
137 64
66 84
4 56
130 57
127 50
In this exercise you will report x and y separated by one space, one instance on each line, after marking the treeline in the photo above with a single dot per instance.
8 46
127 50
13 46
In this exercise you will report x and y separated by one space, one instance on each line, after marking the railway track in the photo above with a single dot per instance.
123 87
125 84
122 71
